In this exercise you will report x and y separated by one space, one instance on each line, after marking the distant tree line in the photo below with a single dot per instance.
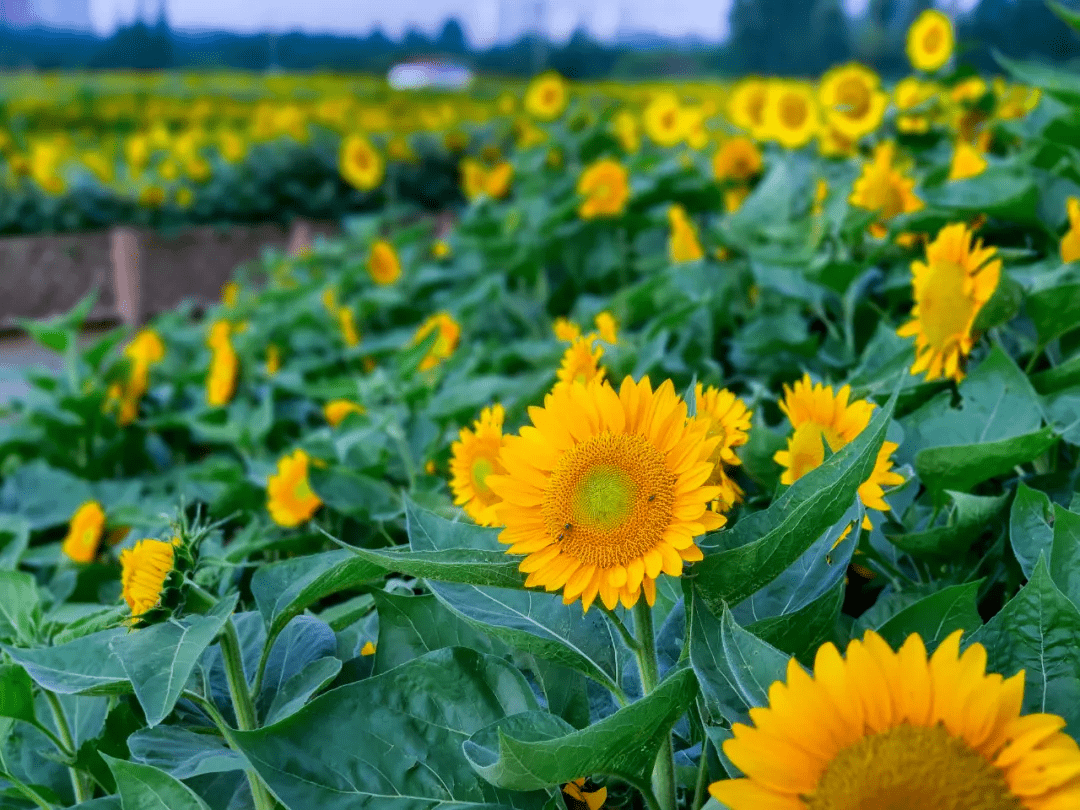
775 37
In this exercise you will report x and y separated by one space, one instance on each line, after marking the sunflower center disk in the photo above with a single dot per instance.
910 768
854 98
932 40
481 469
945 309
610 499
793 111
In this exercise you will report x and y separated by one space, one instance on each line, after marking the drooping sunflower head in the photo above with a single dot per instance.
746 105
547 96
475 456
565 330
336 410
852 99
664 120
606 490
1070 242
605 186
359 163
383 263
683 244
738 159
792 118
84 532
883 188
581 362
949 288
447 334
289 496
890 730
728 419
148 571
930 41
607 327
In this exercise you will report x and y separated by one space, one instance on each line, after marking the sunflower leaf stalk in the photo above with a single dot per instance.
663 776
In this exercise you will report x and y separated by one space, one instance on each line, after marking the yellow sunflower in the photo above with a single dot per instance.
347 324
446 341
473 178
547 96
607 327
911 95
289 497
565 330
885 730
683 244
605 185
930 41
852 99
626 130
967 161
738 159
950 287
1070 242
581 362
791 114
816 413
359 163
336 410
664 120
729 419
579 797
606 490
84 532
498 179
746 105
273 359
475 456
383 264
144 569
221 379
883 188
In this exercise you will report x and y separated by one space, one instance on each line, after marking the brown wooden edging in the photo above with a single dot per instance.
138 272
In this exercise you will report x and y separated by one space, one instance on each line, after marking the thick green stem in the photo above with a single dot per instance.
664 770
78 784
242 705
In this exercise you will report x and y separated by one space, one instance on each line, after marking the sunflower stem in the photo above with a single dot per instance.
242 706
78 785
663 777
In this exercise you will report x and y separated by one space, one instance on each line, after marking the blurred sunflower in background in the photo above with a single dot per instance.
359 163
852 100
547 96
930 41
475 456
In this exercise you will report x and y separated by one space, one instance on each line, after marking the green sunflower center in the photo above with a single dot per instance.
911 767
604 497
481 469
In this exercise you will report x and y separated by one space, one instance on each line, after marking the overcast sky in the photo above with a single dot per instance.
485 21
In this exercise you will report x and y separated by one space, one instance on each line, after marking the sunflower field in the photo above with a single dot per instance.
723 452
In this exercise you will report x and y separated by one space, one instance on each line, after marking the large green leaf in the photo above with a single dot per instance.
83 666
965 519
14 538
1065 553
16 693
998 191
351 493
936 616
1063 84
20 607
802 631
304 641
762 545
536 749
159 659
1054 308
393 741
182 753
1030 532
144 787
411 626
1036 631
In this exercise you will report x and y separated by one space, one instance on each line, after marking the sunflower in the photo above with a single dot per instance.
230 294
273 359
746 105
565 330
791 114
383 264
950 287
336 410
884 189
606 490
683 244
84 532
473 178
440 249
738 159
910 96
144 571
852 99
816 413
626 130
882 729
547 96
359 163
347 323
221 379
448 334
729 419
1070 242
930 41
605 185
607 327
579 797
967 161
289 497
581 362
475 456
146 348
734 197
664 120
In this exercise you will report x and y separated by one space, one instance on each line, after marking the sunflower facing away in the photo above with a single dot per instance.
1070 242
729 419
683 244
144 571
950 287
930 41
289 497
883 188
605 187
606 490
383 264
359 163
84 532
224 366
887 730
336 410
475 456
816 413
581 362
738 159
852 99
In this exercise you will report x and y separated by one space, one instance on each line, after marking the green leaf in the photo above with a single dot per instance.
1002 306
1063 84
936 616
83 666
58 332
354 494
734 667
304 640
393 741
1054 304
297 691
1036 631
1058 378
537 750
1067 14
45 496
144 787
539 623
802 631
762 545
182 753
16 693
1030 532
412 626
998 191
20 607
159 659
14 539
966 519
464 565
1065 553
283 590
